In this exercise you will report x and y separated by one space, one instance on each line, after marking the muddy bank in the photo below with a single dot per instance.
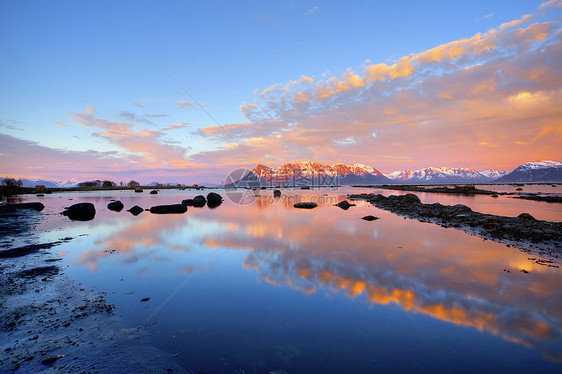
523 232
50 323
548 199
458 190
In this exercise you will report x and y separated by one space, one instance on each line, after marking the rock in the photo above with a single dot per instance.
136 210
411 199
153 192
138 189
526 216
81 212
145 299
11 207
187 202
519 189
370 218
169 209
40 195
115 206
51 360
306 205
214 200
276 193
199 201
495 195
344 204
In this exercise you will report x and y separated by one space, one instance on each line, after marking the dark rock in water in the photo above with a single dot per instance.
115 206
12 207
169 209
136 210
526 216
199 201
344 204
80 212
370 218
51 360
40 195
276 193
145 299
519 189
138 189
187 202
214 200
306 205
495 195
153 192
305 188
39 271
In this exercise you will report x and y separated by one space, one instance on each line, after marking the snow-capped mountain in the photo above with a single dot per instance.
440 175
493 173
27 182
535 171
310 173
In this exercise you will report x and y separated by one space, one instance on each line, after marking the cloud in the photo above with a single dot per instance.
146 144
176 126
130 116
499 87
59 124
484 17
311 11
184 104
140 103
155 115
11 124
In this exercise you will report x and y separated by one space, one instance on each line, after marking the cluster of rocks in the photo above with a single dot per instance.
534 197
524 229
87 211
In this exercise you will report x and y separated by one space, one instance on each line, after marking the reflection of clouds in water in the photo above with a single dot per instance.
424 268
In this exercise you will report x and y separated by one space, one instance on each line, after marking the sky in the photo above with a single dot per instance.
187 91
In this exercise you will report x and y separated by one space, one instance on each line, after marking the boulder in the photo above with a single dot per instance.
276 193
138 189
306 205
169 209
495 195
11 207
370 218
153 192
187 202
411 199
115 206
344 204
80 212
136 210
214 200
199 201
526 216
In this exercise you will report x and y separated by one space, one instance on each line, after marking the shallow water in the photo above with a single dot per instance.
264 286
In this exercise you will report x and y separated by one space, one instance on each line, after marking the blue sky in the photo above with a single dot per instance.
61 58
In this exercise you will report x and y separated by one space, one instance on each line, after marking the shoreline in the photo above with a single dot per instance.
522 232
52 323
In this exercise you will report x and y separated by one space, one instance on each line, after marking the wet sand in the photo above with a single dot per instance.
50 323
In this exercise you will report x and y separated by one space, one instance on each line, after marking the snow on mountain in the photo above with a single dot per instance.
439 175
305 172
535 171
37 182
493 173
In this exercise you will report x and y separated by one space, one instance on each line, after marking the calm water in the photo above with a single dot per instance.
265 287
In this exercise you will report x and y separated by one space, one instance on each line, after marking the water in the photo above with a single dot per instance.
264 286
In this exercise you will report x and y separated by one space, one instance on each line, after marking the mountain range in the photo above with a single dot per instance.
299 173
